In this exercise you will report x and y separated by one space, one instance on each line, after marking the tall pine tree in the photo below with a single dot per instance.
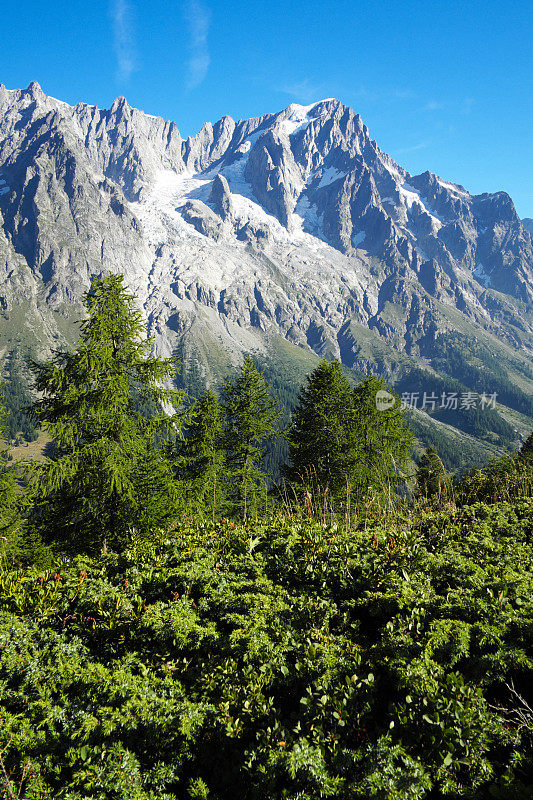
201 462
432 480
322 450
251 418
384 440
109 477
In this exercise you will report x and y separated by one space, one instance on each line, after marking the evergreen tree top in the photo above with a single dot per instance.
110 474
252 414
87 393
344 436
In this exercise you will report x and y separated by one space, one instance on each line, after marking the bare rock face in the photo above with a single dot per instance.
292 225
220 197
254 234
274 176
203 219
208 145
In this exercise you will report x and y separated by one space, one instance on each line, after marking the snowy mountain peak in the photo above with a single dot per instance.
292 225
34 89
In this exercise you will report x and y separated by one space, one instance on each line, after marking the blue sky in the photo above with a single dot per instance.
445 86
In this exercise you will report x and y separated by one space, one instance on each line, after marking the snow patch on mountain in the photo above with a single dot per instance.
411 197
329 176
298 118
307 222
453 187
481 276
159 210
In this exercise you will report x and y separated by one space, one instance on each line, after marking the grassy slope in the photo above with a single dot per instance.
31 451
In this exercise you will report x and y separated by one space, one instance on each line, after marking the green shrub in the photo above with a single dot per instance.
284 660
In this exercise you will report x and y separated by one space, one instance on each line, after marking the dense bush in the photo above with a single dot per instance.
287 660
506 478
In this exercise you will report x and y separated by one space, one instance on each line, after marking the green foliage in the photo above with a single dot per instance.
323 434
13 548
285 372
251 418
384 440
109 475
460 361
432 480
190 378
505 478
390 658
17 400
526 451
340 437
287 660
201 460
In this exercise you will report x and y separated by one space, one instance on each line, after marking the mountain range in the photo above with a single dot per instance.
291 236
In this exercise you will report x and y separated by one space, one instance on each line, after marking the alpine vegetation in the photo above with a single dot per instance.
266 509
176 624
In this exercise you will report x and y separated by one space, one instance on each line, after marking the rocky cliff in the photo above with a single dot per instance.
254 235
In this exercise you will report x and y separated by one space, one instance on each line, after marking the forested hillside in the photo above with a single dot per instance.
176 624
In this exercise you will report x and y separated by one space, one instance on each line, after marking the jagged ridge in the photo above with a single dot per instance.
292 225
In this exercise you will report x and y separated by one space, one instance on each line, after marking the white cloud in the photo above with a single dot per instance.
421 146
124 43
198 20
304 90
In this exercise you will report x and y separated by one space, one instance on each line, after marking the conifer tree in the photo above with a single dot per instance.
201 461
251 418
17 399
432 480
323 436
11 523
526 451
384 440
345 438
109 476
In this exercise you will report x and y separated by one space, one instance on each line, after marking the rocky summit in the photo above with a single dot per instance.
290 235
